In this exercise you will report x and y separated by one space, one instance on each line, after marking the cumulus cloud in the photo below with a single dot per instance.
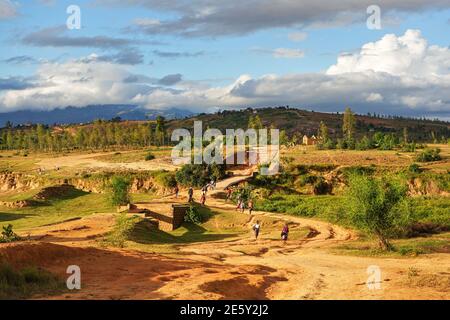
368 81
405 55
200 18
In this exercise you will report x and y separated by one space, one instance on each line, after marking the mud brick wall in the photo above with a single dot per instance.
179 211
170 220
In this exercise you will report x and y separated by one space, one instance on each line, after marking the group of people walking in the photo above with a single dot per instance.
240 206
284 231
205 188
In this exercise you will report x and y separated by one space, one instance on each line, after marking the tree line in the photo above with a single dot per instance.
99 134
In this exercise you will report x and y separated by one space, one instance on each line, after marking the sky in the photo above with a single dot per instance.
210 55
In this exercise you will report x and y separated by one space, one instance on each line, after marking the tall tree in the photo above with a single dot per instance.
323 132
160 130
348 126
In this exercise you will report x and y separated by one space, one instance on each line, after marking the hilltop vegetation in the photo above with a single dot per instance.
359 131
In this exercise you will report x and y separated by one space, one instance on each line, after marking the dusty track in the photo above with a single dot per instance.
262 269
89 161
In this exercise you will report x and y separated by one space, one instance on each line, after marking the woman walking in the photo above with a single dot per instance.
285 233
256 229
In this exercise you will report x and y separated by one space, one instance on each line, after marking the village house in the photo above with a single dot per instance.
309 141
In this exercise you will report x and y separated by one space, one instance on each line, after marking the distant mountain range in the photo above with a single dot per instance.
73 115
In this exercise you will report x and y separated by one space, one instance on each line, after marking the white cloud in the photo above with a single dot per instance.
397 74
374 97
405 55
297 36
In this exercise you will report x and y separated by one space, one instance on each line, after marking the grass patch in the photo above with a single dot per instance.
402 247
55 210
29 281
122 229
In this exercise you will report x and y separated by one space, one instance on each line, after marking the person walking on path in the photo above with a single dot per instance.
191 194
256 229
242 206
285 232
203 199
250 206
176 190
229 192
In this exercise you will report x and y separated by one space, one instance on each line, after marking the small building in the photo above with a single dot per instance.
309 141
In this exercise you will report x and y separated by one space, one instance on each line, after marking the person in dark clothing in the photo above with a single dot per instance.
191 194
256 229
176 190
285 233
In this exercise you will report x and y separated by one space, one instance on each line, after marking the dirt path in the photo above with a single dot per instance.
235 268
90 161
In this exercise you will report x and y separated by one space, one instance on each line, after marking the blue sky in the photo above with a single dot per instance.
211 45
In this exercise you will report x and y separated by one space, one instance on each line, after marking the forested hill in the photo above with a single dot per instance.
293 122
308 122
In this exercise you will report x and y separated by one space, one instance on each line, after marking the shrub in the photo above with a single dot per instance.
122 229
193 215
322 187
119 191
149 156
409 147
414 168
166 179
429 155
8 234
197 175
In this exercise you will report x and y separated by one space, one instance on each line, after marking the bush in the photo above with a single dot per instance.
193 215
166 179
197 175
322 187
8 234
122 229
409 147
429 155
119 191
149 156
414 168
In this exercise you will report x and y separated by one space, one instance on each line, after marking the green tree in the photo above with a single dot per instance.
119 191
323 132
160 130
378 206
348 126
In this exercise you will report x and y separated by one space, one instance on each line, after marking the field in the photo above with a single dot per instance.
326 257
